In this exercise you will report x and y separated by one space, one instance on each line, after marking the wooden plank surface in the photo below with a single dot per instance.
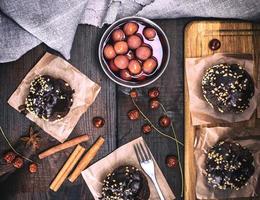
111 103
171 95
83 56
197 36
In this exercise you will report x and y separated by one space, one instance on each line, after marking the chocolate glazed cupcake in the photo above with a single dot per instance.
49 98
125 183
228 88
229 166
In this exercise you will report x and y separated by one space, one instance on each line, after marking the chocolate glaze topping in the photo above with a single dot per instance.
125 183
49 98
228 88
229 166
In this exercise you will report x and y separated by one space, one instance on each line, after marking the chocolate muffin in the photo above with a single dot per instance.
125 183
229 166
49 98
228 88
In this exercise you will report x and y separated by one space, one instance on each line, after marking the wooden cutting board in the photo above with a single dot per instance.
235 37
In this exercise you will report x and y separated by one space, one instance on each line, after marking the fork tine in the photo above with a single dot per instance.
148 151
144 152
140 152
137 154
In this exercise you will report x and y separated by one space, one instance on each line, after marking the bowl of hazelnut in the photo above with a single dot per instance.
134 52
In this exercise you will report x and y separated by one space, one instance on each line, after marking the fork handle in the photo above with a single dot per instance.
158 189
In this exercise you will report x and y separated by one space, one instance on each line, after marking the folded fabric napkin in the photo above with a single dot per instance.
26 23
125 155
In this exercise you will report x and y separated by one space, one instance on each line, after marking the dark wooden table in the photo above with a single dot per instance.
112 103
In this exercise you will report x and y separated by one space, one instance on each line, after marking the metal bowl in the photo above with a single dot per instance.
160 69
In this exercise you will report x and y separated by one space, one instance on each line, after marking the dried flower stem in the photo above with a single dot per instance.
178 151
155 128
28 159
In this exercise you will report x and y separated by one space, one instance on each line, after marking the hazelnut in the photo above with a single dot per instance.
121 47
165 121
154 103
147 128
33 168
118 35
149 65
133 114
171 161
134 41
135 67
109 52
130 28
133 93
153 92
9 157
125 74
121 61
18 162
143 52
149 33
98 122
112 66
214 44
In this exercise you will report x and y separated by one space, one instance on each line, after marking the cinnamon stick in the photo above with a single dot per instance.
88 157
64 145
67 167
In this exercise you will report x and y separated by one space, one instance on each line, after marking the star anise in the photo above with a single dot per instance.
32 139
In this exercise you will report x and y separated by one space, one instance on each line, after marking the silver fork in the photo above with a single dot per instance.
145 159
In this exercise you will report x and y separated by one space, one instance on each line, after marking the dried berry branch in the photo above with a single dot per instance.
165 121
178 150
155 128
19 154
173 138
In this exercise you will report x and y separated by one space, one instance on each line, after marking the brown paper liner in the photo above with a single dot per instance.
208 137
85 94
124 155
201 112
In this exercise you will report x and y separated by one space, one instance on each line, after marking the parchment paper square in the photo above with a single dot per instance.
208 137
85 94
124 155
201 112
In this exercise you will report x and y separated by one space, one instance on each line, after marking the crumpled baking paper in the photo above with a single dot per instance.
85 93
201 111
208 137
124 155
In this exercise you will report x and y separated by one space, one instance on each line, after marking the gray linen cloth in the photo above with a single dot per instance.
26 23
